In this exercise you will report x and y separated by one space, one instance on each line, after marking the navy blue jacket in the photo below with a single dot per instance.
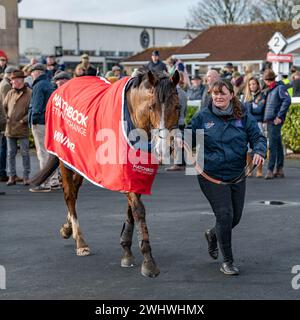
195 93
278 102
256 107
41 92
225 142
157 67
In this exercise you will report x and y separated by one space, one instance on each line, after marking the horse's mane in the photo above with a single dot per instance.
163 88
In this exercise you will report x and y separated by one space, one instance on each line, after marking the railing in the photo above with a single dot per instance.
296 100
197 103
194 103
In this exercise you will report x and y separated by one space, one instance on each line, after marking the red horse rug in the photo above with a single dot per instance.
87 129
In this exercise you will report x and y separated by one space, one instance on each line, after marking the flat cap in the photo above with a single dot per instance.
10 69
61 75
38 66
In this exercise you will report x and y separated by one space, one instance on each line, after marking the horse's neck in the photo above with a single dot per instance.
139 119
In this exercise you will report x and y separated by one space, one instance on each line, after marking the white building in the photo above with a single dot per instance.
106 44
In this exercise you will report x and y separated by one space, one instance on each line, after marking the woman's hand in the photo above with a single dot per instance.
258 159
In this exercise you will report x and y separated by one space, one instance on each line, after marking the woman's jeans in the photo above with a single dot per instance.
12 150
227 202
276 156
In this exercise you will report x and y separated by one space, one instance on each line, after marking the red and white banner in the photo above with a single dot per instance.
85 129
272 57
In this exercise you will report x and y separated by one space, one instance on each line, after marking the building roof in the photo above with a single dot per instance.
246 42
164 52
109 24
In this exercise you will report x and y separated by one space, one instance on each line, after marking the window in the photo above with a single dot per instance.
69 53
125 54
29 24
107 53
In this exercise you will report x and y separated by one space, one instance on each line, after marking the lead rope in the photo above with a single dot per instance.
240 178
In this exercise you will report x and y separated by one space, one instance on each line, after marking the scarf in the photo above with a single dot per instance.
223 112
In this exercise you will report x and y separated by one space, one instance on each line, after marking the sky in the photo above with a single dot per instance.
166 13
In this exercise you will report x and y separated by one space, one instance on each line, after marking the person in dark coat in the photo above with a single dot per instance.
41 92
228 128
155 64
277 106
255 102
195 91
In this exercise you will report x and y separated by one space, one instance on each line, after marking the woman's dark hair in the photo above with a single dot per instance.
237 106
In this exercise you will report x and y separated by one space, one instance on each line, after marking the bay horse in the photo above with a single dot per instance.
153 104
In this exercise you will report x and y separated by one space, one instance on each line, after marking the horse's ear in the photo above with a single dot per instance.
151 78
175 78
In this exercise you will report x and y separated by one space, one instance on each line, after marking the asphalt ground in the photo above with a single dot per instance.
41 265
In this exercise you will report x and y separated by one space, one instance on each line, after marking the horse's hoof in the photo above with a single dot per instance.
65 232
83 251
127 262
150 269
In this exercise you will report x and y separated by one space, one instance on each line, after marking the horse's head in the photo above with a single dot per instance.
155 107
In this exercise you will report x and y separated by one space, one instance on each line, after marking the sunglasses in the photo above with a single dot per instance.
2 59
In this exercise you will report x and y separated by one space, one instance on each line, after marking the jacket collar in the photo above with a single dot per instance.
209 107
41 77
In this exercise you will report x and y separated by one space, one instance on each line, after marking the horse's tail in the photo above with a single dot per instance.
45 173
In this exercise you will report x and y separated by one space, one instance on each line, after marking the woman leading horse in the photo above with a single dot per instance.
228 129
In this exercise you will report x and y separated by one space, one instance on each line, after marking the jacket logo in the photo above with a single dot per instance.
209 125
239 123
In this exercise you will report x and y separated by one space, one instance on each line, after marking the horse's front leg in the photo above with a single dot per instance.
66 229
149 267
70 187
126 239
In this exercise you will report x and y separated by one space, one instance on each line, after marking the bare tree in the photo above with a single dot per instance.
275 10
217 12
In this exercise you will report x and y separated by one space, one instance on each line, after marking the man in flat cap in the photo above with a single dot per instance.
5 87
41 92
61 77
155 64
16 106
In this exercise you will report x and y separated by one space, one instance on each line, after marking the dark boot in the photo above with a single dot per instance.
279 173
11 181
229 268
269 175
211 238
26 181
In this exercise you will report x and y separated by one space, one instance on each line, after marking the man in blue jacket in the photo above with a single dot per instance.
277 105
41 92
